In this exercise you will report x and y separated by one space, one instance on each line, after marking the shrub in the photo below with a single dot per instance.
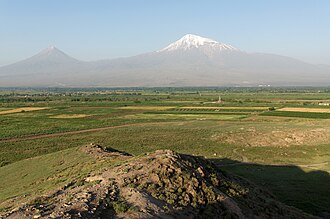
120 206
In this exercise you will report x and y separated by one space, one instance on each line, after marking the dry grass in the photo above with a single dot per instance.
309 110
21 110
148 107
69 116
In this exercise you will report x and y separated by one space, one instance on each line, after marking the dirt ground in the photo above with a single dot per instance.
69 116
21 110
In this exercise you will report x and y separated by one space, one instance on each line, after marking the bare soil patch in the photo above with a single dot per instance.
21 110
69 116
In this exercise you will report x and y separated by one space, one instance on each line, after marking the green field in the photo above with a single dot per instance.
299 114
287 153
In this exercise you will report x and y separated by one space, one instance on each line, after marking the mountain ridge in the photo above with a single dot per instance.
190 61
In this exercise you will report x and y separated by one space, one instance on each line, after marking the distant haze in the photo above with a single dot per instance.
190 61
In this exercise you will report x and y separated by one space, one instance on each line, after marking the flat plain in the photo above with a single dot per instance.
277 138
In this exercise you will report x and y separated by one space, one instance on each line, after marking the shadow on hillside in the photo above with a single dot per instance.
308 190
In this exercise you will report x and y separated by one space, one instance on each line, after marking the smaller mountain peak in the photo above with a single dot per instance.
50 49
53 53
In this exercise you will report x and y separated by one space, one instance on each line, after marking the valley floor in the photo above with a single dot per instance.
251 134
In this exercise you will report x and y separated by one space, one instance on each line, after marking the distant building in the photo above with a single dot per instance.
324 104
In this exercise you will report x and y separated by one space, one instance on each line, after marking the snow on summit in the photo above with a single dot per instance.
191 41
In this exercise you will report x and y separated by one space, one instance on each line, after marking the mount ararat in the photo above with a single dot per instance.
190 61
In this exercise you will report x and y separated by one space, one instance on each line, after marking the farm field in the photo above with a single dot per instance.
277 138
310 110
20 110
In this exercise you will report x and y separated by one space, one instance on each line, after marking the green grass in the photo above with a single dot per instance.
33 177
183 137
37 166
198 112
5 109
298 114
186 116
217 110
36 123
302 188
186 136
30 178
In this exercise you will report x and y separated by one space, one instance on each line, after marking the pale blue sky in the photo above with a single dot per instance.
100 29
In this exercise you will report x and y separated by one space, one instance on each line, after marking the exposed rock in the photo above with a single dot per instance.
163 184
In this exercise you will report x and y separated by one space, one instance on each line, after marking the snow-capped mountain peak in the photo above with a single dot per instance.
191 41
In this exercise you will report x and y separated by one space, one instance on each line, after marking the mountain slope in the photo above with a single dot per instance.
189 61
47 61
50 67
197 61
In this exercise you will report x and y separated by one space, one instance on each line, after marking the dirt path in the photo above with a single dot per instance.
83 131
315 165
311 166
245 161
244 158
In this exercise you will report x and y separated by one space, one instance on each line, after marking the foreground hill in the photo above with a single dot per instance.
189 61
163 184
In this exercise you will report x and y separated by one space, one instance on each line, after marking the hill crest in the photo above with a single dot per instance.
162 184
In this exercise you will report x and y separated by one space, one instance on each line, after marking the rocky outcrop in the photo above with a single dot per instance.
163 184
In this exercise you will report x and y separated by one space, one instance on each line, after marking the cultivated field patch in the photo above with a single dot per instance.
69 116
309 110
21 110
307 115
147 107
226 107
185 116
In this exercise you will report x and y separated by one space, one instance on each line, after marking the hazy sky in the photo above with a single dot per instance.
100 29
